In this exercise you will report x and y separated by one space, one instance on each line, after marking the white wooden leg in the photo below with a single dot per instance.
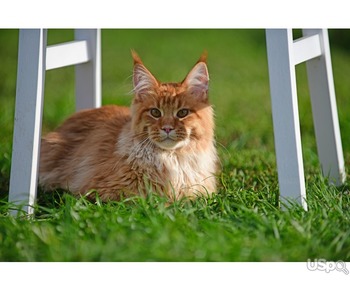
28 116
285 115
324 110
88 75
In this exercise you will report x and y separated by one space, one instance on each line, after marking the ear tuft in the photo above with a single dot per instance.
203 57
135 56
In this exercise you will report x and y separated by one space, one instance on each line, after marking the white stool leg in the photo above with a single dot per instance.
88 75
285 115
28 116
324 110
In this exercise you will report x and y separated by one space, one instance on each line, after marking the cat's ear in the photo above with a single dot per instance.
143 80
197 80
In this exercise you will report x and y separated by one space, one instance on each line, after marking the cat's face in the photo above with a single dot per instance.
172 115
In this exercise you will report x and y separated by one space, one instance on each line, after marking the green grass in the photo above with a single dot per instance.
242 222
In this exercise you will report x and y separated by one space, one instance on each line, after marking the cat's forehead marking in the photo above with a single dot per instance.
170 89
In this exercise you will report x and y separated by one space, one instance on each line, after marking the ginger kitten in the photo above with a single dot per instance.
163 143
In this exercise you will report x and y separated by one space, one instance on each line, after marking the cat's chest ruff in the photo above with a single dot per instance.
181 170
148 158
143 157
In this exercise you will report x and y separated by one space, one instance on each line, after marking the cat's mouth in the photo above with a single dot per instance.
170 144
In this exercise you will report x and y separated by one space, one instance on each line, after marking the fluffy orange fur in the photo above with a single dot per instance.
163 143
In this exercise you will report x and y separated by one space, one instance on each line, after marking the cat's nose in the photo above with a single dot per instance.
167 129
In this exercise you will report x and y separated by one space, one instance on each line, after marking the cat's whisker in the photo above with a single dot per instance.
130 137
125 139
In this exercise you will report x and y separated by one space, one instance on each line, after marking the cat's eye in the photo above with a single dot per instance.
156 113
182 113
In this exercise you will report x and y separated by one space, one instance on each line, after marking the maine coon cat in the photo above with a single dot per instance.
163 143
